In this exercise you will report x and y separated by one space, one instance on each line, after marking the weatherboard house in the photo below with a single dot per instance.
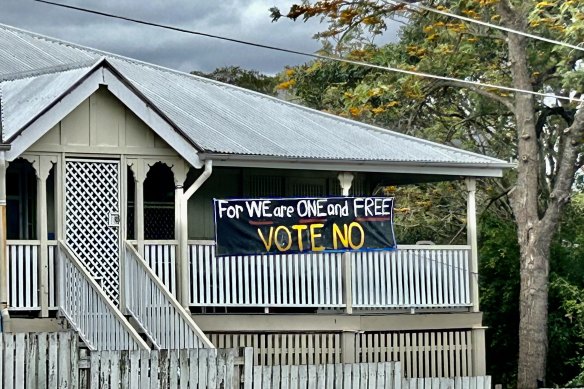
108 171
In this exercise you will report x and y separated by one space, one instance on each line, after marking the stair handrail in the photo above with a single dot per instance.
133 342
180 310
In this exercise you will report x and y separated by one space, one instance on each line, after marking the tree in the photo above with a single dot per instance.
248 79
544 136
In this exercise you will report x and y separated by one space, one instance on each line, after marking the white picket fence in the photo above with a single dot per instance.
41 360
384 375
483 382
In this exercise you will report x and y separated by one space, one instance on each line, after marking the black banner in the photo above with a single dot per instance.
293 225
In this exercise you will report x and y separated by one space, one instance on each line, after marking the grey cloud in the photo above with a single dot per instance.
246 20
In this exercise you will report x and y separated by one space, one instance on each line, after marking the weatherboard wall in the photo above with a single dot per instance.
102 125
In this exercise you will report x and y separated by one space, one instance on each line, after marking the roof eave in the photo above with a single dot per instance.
487 169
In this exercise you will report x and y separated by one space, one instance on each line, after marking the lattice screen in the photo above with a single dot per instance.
92 195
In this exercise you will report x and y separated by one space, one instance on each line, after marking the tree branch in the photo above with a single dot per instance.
506 102
567 165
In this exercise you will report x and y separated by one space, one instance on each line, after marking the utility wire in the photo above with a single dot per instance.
312 55
497 27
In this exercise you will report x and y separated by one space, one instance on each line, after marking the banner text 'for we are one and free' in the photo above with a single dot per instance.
293 225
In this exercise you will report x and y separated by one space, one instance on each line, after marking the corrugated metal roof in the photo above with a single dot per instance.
218 117
22 99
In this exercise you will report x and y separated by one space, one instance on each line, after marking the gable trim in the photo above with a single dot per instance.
50 117
159 124
83 89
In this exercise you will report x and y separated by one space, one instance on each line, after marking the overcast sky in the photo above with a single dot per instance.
241 19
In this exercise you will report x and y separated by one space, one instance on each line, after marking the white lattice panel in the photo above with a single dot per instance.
92 196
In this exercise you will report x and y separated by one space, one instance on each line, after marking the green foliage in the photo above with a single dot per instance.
435 212
248 79
499 294
475 119
499 291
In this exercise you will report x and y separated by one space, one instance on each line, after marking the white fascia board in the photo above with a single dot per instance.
149 116
53 116
357 166
83 91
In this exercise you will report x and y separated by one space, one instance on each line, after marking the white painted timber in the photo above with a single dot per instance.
421 354
89 311
164 320
303 280
38 360
23 258
329 376
161 257
410 277
33 131
23 274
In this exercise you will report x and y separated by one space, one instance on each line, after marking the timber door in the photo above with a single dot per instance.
92 218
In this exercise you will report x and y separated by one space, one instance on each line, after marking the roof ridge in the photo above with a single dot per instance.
135 62
234 87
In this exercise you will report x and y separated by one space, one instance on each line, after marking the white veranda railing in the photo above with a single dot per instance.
160 255
89 311
412 277
300 280
163 319
23 278
23 283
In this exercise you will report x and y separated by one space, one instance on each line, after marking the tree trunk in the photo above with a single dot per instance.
534 244
533 344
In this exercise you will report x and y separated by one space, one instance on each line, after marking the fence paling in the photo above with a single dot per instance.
164 320
367 375
88 310
50 360
481 382
40 360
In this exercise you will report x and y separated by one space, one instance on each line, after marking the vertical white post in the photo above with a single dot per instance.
184 230
45 165
471 233
345 180
60 198
3 256
139 177
122 230
182 262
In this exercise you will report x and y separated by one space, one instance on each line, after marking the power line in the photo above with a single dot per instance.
490 25
311 55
